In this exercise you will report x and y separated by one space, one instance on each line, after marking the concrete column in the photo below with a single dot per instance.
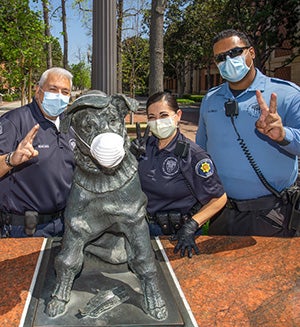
104 59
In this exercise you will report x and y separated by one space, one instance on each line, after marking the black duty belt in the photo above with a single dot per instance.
19 220
262 203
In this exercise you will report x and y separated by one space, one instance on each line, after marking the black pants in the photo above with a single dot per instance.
261 222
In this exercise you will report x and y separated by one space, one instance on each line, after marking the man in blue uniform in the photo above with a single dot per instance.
36 161
250 126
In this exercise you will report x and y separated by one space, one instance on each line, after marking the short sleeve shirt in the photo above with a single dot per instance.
218 137
43 183
171 182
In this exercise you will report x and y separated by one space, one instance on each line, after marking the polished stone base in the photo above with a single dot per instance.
97 283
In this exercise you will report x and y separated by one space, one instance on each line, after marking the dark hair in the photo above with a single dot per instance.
229 33
163 96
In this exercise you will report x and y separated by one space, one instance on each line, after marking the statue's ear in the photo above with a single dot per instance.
124 103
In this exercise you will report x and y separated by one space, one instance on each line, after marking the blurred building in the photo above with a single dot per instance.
197 81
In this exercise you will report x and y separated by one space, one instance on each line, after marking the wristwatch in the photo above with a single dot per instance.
7 160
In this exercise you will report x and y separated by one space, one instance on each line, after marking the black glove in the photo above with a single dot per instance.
138 145
186 238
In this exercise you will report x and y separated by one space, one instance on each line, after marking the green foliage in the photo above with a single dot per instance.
188 35
185 101
81 76
21 43
194 97
268 24
7 97
191 28
205 228
57 54
135 65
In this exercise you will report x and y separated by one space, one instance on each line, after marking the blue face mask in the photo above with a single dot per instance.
54 103
233 69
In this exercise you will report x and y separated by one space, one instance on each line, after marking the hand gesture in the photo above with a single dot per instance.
25 150
186 238
138 145
269 122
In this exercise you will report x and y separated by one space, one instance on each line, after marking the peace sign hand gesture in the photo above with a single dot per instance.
269 122
25 150
138 145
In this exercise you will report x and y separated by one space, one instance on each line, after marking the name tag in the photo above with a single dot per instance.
43 146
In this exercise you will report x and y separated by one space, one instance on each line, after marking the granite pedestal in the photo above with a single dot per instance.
234 282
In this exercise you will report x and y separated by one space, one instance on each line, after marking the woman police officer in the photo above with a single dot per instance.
178 177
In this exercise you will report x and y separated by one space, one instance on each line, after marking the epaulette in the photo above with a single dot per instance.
214 88
285 82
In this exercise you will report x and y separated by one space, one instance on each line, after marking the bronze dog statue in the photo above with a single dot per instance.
105 199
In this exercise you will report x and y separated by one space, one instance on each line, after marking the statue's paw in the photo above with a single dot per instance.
55 307
155 306
159 313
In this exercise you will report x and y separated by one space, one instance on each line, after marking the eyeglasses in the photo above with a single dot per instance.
231 53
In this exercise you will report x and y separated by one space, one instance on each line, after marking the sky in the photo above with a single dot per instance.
78 39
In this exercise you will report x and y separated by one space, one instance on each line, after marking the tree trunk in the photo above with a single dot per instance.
48 45
23 81
29 87
119 45
180 72
65 33
209 85
156 76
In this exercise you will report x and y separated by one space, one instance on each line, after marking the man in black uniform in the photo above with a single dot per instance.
36 161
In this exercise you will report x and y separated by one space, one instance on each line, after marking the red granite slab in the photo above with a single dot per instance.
235 281
18 259
241 281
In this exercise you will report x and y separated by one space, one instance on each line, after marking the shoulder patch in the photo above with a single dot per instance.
204 168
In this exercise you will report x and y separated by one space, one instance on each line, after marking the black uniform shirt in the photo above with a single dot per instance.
174 183
41 184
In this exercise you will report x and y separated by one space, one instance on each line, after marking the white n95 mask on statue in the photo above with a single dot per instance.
108 149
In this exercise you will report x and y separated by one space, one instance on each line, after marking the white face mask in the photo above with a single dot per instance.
162 128
106 148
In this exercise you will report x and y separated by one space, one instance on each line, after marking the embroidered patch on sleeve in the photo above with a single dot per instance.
204 168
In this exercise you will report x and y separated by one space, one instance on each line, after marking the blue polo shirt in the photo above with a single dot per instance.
43 183
217 136
174 183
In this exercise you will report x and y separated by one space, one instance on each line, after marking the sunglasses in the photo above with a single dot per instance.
231 53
